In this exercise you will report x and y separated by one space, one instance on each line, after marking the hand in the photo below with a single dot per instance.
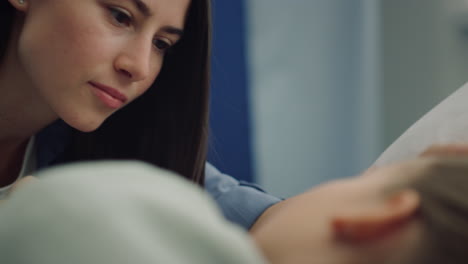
328 223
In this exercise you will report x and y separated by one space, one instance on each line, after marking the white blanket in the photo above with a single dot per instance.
119 213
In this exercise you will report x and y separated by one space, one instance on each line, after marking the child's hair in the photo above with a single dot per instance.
168 125
444 212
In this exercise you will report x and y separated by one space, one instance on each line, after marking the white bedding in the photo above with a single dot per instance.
445 123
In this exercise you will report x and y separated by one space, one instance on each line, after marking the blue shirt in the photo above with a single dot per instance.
240 202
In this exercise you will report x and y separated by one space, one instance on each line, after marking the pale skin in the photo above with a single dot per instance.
344 221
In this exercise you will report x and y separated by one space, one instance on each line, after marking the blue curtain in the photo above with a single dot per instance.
230 149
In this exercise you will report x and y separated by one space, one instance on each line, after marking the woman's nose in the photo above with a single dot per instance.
134 62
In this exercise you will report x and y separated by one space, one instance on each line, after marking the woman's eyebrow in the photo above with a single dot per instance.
173 31
142 7
146 11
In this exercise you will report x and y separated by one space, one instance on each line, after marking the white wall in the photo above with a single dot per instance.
336 81
314 91
425 58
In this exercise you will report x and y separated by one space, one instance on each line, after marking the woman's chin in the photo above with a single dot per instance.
84 125
87 129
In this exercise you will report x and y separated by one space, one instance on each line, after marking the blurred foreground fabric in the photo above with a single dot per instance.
117 212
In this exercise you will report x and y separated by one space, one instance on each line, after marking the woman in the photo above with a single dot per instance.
112 79
129 78
83 61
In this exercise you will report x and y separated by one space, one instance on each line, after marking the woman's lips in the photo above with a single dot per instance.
111 97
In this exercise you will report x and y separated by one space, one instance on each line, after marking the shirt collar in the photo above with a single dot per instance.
51 142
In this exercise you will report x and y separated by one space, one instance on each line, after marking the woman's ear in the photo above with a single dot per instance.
375 222
20 5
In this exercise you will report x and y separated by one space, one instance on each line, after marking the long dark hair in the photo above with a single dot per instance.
168 125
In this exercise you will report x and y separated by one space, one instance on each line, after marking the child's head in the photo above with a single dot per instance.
413 212
443 212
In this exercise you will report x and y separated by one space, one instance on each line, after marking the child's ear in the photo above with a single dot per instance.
373 223
20 5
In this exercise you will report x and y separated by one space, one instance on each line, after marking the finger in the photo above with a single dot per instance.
369 171
446 150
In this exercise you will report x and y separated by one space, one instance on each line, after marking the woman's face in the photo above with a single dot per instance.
89 58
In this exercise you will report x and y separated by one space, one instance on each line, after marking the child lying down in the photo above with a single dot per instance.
129 212
413 211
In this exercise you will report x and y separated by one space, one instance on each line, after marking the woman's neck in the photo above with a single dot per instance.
22 111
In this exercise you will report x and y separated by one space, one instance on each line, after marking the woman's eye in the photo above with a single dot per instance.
161 45
120 17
